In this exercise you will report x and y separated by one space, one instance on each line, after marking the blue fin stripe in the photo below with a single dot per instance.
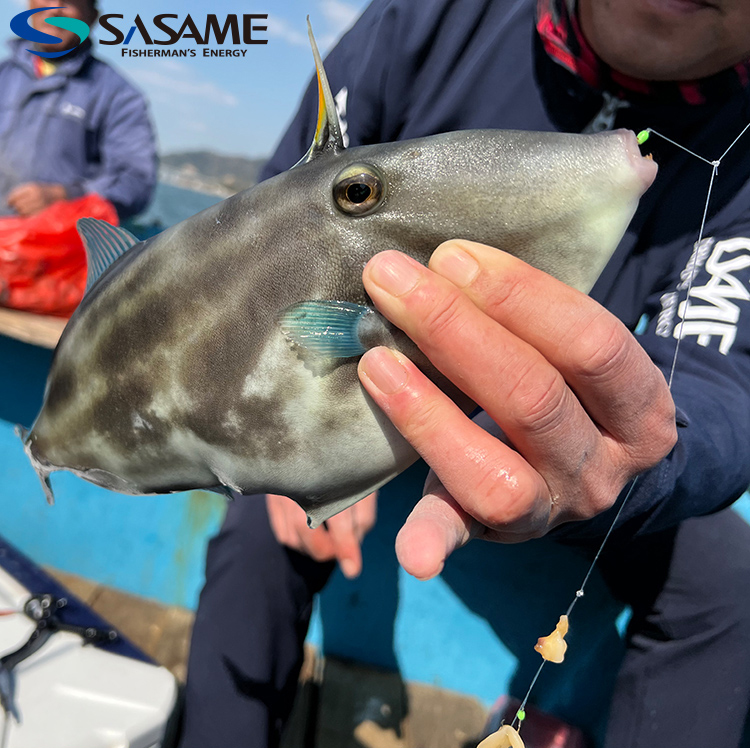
108 238
103 257
113 248
104 245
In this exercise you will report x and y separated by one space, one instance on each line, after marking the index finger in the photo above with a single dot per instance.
346 542
596 354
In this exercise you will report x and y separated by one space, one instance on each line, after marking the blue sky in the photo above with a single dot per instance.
229 105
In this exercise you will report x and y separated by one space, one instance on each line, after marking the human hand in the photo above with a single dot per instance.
567 384
338 538
31 197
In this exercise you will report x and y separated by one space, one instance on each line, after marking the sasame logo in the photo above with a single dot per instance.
20 26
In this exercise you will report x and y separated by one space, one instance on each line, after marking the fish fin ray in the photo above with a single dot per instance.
328 132
104 243
326 328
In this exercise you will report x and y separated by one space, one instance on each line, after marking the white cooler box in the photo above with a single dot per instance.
68 693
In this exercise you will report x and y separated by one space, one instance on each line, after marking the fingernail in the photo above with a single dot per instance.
457 266
384 370
395 273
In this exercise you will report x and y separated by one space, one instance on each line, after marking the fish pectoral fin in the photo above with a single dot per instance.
104 243
332 329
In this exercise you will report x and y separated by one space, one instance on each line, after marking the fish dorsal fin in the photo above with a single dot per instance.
328 130
104 243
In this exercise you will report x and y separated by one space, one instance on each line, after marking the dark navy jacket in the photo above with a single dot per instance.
84 126
409 69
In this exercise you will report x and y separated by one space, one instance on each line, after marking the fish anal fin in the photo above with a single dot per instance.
317 515
104 243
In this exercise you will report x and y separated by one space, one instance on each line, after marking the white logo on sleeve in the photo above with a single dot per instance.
340 98
713 311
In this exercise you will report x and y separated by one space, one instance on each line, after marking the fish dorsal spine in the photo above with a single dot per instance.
328 135
104 243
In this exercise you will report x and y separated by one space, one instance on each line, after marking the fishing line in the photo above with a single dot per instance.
692 269
692 272
692 266
744 130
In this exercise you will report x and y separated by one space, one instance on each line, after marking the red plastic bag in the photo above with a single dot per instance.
42 260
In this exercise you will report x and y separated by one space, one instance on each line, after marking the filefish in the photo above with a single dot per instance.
222 353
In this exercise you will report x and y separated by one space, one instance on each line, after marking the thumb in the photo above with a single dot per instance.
436 527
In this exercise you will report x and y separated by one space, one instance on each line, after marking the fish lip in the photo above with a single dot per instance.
645 168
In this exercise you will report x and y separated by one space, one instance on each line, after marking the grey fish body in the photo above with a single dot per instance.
174 373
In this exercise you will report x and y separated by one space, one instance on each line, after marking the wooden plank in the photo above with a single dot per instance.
443 719
161 631
35 329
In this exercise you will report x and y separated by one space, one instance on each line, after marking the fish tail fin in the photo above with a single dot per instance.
43 471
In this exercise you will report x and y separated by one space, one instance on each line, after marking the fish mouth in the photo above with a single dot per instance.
645 168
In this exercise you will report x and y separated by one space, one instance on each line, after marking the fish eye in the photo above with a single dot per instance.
358 190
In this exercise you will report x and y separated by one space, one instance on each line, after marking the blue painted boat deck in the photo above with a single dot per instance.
471 630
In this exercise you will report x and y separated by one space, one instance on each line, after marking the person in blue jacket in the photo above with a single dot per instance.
584 401
71 125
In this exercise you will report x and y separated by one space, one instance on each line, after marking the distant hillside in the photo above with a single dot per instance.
210 172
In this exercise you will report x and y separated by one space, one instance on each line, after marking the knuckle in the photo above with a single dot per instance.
595 488
603 348
319 551
597 498
445 319
664 433
602 500
497 517
423 419
506 294
503 498
541 407
320 555
656 437
662 437
664 414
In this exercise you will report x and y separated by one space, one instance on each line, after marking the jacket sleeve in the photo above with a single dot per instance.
127 170
709 468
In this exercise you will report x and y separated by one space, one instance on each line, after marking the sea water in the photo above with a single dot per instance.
171 205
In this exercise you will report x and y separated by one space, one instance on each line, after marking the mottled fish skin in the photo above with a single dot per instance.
174 373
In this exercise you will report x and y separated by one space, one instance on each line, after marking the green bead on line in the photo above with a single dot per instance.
521 715
642 136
